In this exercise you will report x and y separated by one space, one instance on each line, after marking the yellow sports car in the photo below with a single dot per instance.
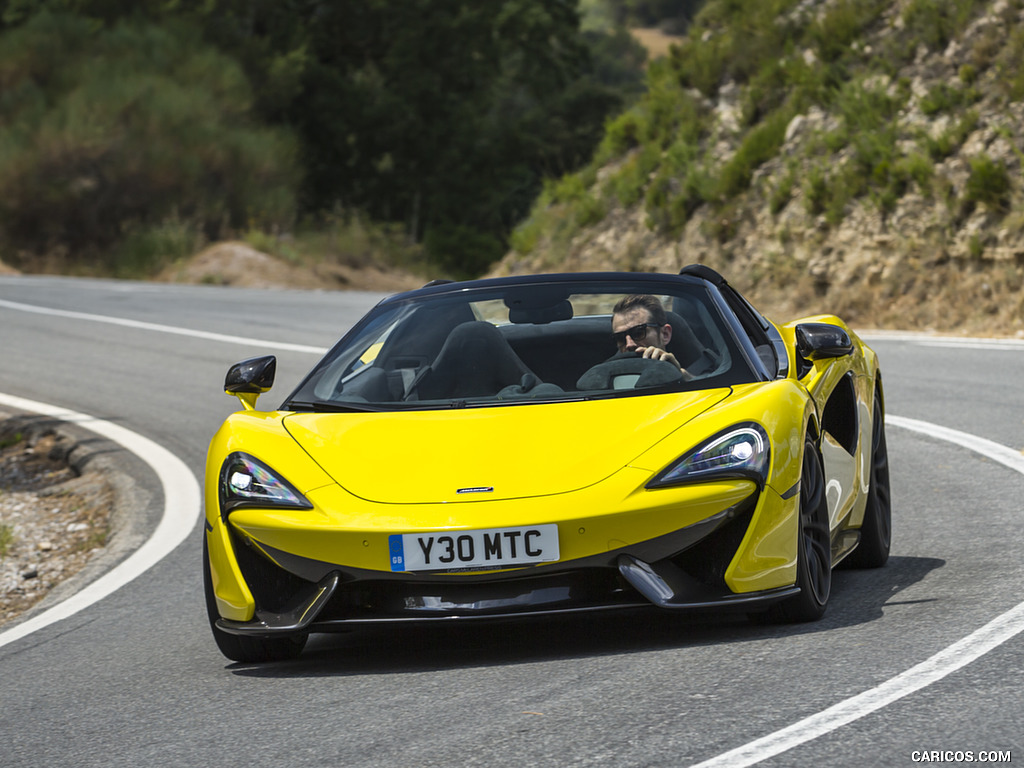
536 445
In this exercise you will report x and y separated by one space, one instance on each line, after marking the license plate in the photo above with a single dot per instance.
469 550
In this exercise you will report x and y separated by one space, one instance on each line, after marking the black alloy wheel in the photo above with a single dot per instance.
876 531
814 546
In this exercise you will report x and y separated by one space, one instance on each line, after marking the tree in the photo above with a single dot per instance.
110 129
444 115
427 111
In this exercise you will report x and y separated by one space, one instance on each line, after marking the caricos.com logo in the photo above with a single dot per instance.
960 756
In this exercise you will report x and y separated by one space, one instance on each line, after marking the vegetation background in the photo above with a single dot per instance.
134 131
860 154
861 157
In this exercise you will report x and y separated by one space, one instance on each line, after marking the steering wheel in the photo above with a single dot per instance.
629 370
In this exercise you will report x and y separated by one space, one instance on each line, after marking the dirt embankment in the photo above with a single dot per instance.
238 264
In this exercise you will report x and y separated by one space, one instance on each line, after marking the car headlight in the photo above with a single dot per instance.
248 482
740 451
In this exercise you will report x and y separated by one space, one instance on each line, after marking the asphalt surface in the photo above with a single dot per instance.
136 680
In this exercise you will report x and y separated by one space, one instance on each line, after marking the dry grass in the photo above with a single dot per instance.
655 41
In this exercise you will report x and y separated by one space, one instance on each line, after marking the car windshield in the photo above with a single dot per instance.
510 344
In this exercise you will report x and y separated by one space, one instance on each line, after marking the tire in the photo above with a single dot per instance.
246 649
814 547
876 532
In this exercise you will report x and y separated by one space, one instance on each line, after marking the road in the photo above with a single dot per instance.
136 680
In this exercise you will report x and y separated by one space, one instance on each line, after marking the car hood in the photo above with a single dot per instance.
486 454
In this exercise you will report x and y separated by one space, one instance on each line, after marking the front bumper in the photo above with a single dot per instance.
308 614
682 570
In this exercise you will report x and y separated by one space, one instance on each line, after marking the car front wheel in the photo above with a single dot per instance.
814 546
246 649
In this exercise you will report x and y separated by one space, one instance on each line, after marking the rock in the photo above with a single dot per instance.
41 494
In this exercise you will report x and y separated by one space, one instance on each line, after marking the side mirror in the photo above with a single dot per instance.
821 341
250 378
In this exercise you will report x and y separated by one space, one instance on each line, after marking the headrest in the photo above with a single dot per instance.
684 344
541 315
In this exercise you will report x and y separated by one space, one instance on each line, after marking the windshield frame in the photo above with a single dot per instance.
538 294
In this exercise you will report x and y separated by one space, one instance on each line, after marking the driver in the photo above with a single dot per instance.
639 324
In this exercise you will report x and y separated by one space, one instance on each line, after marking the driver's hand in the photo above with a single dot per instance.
656 353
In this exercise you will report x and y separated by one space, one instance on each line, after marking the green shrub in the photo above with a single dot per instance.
988 184
845 187
144 250
782 193
461 251
672 115
682 184
700 63
815 189
621 135
732 41
7 538
526 237
115 133
936 22
568 189
272 243
588 210
867 110
949 141
841 24
350 237
975 247
628 183
781 81
874 157
1009 66
919 168
837 139
759 145
947 98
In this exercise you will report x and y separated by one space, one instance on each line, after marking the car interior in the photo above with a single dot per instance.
449 351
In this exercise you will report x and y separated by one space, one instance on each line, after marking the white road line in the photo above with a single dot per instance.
972 346
261 343
181 510
955 342
943 663
995 451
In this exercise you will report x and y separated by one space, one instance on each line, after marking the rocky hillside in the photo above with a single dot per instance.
869 166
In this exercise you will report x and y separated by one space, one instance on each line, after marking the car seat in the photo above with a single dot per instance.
475 361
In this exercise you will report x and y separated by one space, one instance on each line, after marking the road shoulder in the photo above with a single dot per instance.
67 512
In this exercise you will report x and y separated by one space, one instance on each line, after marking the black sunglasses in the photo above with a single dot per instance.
637 333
